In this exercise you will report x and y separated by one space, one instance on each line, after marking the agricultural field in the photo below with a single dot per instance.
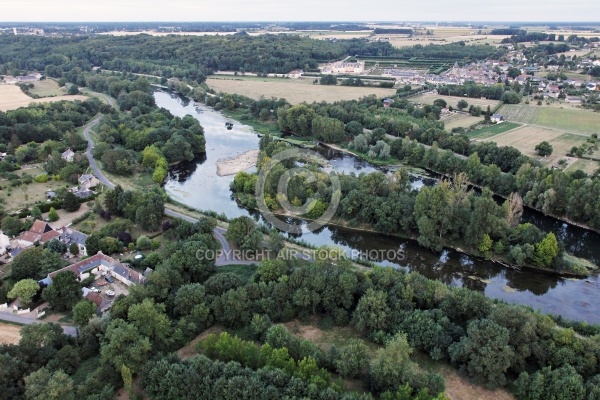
47 88
527 137
12 97
555 116
573 120
493 130
428 98
522 113
293 90
587 166
459 121
9 333
18 197
447 37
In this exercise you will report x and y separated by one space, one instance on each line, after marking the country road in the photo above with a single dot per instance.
226 257
4 316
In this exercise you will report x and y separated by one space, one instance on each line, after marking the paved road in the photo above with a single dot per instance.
93 165
226 257
4 316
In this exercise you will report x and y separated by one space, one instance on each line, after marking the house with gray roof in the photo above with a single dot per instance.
70 236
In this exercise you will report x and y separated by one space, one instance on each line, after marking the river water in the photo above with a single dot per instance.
197 184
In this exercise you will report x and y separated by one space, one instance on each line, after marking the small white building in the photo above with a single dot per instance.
68 155
497 118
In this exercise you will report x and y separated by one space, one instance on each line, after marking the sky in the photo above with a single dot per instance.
295 10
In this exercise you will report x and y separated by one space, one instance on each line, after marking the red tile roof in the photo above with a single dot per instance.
40 227
94 298
48 236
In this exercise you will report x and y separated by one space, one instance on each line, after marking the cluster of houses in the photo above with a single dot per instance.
12 80
40 233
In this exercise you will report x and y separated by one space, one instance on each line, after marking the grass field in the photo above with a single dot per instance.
460 121
26 195
427 98
12 97
580 121
47 88
526 138
493 130
556 117
293 90
587 166
9 333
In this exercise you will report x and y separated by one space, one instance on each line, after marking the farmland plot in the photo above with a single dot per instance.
523 113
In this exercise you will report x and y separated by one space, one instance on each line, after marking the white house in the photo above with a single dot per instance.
497 118
68 155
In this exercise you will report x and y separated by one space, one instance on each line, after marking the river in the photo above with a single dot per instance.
197 184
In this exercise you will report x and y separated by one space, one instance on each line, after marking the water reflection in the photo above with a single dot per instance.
197 184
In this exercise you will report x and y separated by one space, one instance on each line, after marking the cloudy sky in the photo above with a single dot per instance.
295 10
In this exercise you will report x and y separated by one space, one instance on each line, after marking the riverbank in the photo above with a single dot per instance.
384 164
458 247
231 166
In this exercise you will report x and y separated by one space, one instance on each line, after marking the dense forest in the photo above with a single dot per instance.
195 57
396 313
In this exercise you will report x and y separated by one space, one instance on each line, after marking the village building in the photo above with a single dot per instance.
70 236
497 118
101 265
68 155
88 181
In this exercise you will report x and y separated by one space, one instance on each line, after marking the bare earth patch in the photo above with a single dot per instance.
189 350
9 334
242 162
12 97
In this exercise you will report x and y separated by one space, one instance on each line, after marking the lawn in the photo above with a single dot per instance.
428 98
572 120
293 90
493 130
47 88
18 197
12 97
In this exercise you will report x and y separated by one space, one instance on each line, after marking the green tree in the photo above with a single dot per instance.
44 384
24 290
92 244
74 249
151 321
546 250
387 367
123 344
56 246
70 203
271 270
64 292
372 311
11 226
484 353
53 215
353 358
462 104
543 149
440 103
83 312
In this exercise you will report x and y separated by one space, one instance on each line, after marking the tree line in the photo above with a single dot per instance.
495 343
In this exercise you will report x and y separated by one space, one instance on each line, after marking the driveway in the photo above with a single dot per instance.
5 316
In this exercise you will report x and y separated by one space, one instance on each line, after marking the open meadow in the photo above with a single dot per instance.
457 120
527 137
293 90
428 98
9 333
47 88
555 117
12 97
